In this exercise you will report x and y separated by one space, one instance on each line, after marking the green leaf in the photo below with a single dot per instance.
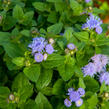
18 12
23 87
66 71
9 23
53 60
32 72
41 6
103 88
91 84
44 78
68 33
58 88
25 33
56 28
19 61
81 83
82 36
42 102
54 1
52 17
13 50
105 105
4 93
4 37
27 18
76 7
92 101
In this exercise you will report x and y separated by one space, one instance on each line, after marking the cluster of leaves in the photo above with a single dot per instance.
44 85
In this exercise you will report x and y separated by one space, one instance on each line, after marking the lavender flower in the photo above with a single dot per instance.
93 22
45 56
87 1
79 102
70 91
49 49
67 103
89 69
71 46
38 44
38 57
74 96
104 77
99 29
81 91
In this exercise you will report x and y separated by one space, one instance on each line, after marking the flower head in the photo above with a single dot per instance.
79 102
74 96
45 56
70 91
49 49
38 44
104 77
99 29
87 1
81 91
67 103
38 57
89 69
93 22
71 46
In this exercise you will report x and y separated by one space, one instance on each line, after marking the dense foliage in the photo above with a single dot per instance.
53 55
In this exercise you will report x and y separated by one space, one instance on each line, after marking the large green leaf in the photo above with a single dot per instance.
32 72
44 78
42 102
13 50
92 101
66 70
91 84
82 36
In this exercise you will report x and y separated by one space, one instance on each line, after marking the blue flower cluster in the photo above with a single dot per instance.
98 65
40 48
71 46
74 96
93 23
87 1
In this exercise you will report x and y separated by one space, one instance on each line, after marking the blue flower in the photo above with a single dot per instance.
104 77
71 46
79 102
38 44
81 91
67 103
93 23
99 29
89 69
49 49
74 96
38 57
70 90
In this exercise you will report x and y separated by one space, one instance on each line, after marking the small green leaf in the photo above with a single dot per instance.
81 83
25 33
19 61
32 72
103 88
56 28
18 12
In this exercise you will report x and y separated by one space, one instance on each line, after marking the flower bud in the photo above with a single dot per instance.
45 56
51 40
67 50
11 97
106 94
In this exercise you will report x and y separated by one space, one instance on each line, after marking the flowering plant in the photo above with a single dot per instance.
54 54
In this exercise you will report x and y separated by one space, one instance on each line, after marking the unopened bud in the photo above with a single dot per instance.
11 97
67 50
51 40
45 56
106 95
90 8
